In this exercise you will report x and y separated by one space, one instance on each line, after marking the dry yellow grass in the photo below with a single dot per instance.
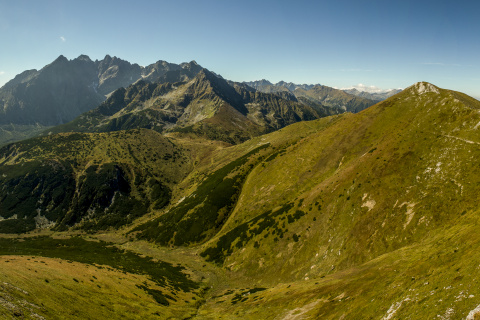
44 288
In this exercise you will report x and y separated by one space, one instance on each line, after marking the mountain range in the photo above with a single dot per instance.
353 101
325 95
376 96
268 87
206 105
66 88
36 100
202 198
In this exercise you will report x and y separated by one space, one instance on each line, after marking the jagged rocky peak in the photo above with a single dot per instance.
191 66
59 67
84 57
211 77
264 82
161 63
204 76
61 60
109 61
293 86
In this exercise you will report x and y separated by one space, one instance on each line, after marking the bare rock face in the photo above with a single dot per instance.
114 73
64 89
207 105
54 95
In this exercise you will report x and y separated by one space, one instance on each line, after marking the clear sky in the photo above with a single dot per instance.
339 43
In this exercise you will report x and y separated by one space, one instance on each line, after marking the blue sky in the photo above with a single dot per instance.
339 43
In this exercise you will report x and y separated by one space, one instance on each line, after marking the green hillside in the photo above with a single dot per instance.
392 188
372 215
93 181
354 197
368 184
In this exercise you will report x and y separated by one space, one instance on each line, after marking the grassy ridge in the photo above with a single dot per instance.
35 287
371 183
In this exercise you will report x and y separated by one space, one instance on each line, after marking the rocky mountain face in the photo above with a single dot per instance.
53 95
366 215
207 105
64 89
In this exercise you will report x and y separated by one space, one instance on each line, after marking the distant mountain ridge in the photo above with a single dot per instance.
36 100
64 89
316 94
265 85
377 96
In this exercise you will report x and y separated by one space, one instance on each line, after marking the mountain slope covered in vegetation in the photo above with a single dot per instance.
353 216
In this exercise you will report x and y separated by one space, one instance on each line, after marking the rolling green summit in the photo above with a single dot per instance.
212 200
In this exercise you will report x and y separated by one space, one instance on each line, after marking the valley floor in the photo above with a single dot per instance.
435 279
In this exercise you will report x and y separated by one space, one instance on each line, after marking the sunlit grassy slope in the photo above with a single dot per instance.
435 278
374 199
77 279
367 185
